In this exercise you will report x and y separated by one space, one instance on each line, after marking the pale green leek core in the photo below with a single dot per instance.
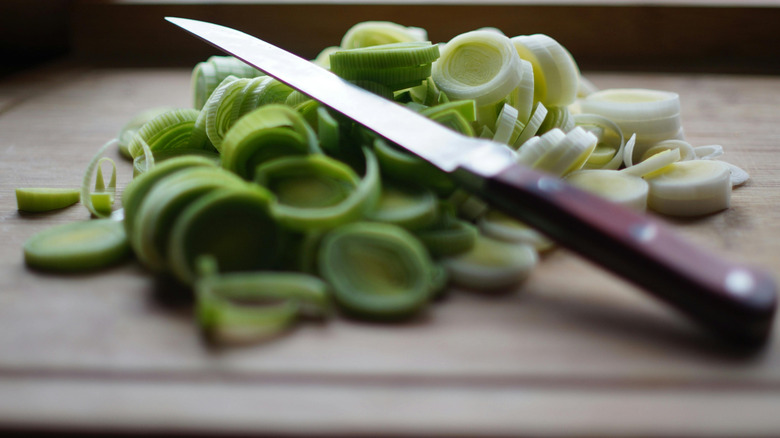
35 199
376 270
491 264
77 246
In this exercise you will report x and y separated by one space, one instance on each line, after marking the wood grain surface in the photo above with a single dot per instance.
572 352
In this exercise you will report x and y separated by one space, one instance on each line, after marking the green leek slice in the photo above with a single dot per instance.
206 76
403 166
235 226
384 56
140 162
165 202
319 192
376 271
77 246
169 130
269 132
245 307
129 130
408 206
38 199
136 191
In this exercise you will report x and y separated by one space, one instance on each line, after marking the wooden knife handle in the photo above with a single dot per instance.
734 300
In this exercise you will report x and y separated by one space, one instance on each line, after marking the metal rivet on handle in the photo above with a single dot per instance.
644 232
739 282
547 184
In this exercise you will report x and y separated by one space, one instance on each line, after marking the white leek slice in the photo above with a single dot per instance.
532 127
375 33
524 94
569 154
653 115
505 124
533 150
616 186
502 227
738 175
479 65
653 163
691 188
556 75
491 264
687 152
608 153
708 152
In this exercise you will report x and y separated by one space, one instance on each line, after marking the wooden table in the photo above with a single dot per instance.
572 352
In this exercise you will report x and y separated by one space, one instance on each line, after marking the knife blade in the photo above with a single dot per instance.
733 300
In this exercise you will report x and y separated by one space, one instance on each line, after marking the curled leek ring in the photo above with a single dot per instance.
408 206
173 129
319 192
244 307
376 270
375 33
136 191
480 65
269 132
162 205
235 226
206 76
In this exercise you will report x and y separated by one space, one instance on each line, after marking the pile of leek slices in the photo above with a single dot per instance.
273 208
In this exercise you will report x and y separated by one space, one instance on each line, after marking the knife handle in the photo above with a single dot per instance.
734 300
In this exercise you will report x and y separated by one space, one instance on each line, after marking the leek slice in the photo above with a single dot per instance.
614 185
532 127
376 33
36 199
170 130
652 115
557 117
207 75
608 153
450 238
222 109
77 246
107 199
491 264
235 226
376 271
568 154
691 188
141 165
403 166
386 56
685 149
408 206
394 78
136 191
165 202
128 131
499 226
653 164
479 65
244 307
318 192
269 132
556 75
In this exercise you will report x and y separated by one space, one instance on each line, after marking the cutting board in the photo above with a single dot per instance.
573 351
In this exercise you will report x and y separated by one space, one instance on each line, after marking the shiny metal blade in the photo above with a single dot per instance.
429 140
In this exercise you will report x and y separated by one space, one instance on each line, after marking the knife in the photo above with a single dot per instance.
735 301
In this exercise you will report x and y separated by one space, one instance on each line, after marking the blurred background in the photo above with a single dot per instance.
725 36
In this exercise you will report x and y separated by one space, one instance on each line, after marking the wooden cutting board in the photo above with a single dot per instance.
572 352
